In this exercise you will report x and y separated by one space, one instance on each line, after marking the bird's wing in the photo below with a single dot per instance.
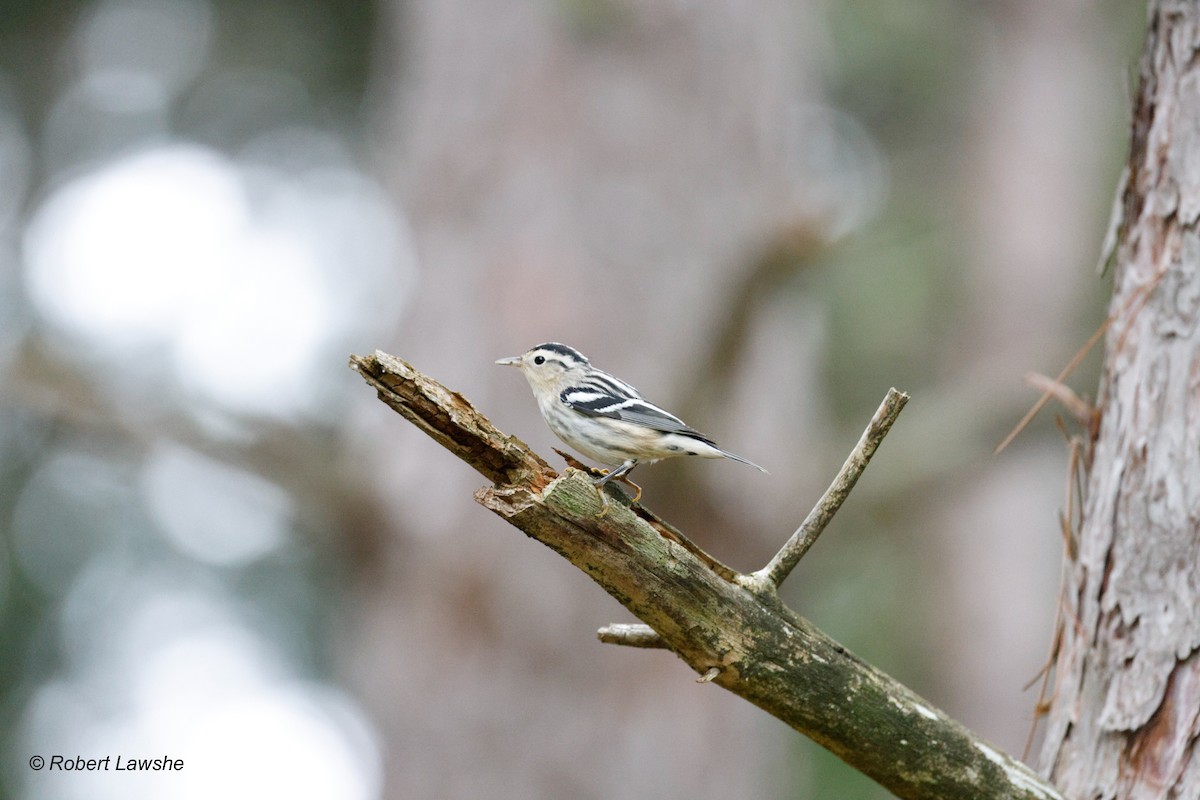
595 402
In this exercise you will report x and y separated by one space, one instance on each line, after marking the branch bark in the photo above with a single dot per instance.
747 642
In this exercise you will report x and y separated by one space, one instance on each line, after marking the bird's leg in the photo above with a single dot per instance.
623 476
618 474
637 490
572 461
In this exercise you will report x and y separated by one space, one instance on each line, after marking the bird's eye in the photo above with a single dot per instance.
539 360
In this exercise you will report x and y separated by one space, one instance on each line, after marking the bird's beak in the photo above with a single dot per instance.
511 361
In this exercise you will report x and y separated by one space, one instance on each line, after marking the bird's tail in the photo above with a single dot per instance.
735 457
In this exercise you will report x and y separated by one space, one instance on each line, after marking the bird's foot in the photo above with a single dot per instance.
603 502
637 490
605 478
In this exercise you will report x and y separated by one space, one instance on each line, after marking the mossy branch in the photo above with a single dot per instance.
721 624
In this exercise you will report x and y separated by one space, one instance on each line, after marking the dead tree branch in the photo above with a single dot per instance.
747 642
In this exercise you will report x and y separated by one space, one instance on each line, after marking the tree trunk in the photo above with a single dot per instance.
1126 714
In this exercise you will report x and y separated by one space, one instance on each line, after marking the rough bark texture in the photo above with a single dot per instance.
745 641
1126 714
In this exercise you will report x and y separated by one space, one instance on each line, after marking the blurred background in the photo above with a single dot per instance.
216 545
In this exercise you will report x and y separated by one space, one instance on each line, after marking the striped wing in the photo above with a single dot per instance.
618 400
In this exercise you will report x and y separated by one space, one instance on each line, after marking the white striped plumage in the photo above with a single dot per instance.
605 418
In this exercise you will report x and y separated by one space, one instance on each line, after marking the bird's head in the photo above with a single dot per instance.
549 367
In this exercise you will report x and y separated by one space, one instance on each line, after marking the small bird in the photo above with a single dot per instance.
605 418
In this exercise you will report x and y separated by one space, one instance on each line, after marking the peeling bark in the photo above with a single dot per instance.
1126 714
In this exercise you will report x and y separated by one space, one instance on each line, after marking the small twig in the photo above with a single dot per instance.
1129 310
1048 393
1067 527
1078 408
767 579
631 635
1042 706
806 535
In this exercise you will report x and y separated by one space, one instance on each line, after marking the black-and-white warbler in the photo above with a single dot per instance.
604 417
